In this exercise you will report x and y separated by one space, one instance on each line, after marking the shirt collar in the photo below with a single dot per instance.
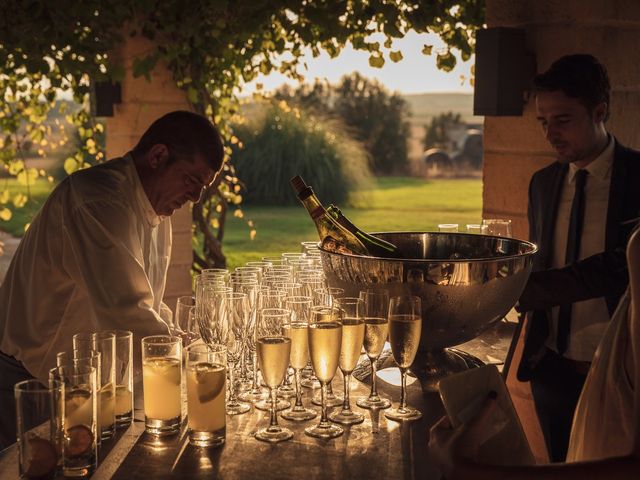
143 201
600 167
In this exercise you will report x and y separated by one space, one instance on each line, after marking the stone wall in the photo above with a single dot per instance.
514 147
143 102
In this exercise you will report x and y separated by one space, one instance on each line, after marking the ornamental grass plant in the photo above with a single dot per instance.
282 142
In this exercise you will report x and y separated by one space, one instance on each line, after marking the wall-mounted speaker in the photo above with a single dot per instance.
503 72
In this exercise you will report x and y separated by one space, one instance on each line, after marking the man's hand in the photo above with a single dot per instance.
451 448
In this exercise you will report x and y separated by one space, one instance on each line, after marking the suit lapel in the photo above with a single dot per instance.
551 206
616 197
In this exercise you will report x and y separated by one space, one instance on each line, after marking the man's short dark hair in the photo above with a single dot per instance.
578 76
185 134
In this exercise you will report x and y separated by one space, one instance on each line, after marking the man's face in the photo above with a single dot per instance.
179 181
568 126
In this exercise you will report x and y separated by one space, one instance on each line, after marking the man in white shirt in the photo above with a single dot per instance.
581 212
96 255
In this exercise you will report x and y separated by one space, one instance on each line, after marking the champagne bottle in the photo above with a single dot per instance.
375 246
334 237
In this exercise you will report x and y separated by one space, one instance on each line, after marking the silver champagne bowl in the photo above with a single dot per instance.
466 282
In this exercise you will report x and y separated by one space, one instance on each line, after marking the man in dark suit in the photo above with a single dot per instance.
582 209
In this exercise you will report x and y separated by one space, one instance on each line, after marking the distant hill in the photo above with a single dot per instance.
424 106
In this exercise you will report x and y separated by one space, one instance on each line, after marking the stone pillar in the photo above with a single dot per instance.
143 102
514 147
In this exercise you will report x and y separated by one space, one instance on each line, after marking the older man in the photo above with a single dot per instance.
96 255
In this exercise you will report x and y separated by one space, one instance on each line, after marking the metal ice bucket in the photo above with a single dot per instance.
466 283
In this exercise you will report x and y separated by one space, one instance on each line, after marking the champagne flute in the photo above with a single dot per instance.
326 314
238 311
297 329
376 328
266 299
405 325
352 339
325 339
274 350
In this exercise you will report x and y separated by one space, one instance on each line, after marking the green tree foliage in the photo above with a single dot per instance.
211 46
285 142
437 131
375 117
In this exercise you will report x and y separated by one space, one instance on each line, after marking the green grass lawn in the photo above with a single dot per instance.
399 203
21 216
409 204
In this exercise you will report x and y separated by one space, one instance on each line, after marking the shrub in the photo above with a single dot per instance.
285 142
377 117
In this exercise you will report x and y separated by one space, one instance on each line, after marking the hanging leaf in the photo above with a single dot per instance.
5 214
376 61
395 56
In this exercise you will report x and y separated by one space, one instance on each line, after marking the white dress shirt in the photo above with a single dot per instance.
589 318
94 258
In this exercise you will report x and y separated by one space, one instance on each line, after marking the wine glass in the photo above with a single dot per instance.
498 227
352 339
185 325
238 311
405 325
325 339
274 350
376 328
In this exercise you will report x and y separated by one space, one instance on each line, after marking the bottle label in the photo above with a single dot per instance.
317 212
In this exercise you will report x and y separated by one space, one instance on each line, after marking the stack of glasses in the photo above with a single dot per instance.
258 323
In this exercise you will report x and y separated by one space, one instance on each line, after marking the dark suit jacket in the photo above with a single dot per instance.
601 275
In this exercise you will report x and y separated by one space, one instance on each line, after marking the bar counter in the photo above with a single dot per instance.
394 451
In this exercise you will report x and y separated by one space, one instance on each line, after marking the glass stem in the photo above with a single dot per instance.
273 423
374 369
346 407
232 389
298 376
323 393
255 387
403 390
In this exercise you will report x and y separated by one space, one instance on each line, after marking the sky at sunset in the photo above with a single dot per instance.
415 73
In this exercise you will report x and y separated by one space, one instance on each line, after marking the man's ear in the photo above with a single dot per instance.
600 112
157 155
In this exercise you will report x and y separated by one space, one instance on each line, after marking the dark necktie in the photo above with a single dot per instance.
573 251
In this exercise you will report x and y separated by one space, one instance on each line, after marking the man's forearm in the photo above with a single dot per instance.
597 276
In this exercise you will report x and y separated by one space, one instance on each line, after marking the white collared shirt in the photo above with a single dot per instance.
94 258
589 318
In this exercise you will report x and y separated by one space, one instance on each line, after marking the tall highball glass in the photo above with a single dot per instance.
40 428
80 451
206 378
161 382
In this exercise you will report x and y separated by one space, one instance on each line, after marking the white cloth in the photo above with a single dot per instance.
603 420
95 257
589 318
